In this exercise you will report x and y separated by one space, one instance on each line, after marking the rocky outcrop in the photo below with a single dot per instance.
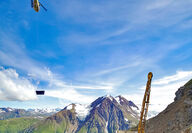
177 117
179 93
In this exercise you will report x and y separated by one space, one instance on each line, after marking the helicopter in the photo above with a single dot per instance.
35 4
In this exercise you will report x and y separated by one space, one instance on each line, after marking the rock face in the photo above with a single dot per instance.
110 114
177 117
179 93
104 115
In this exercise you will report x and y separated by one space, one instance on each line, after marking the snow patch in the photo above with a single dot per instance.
110 97
106 125
82 111
126 120
118 99
98 105
135 109
43 110
2 111
69 107
10 109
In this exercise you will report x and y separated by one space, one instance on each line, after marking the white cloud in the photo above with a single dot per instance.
94 87
162 90
14 54
69 94
65 91
15 88
180 75
159 4
56 83
131 15
111 70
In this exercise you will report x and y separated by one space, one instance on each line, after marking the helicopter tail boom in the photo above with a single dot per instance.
42 6
32 3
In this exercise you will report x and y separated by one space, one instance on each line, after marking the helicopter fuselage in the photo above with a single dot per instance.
36 5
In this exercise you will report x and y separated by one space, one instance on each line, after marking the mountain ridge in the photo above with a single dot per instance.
7 113
105 115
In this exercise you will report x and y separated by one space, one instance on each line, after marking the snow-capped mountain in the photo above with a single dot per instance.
3 110
6 113
44 110
105 114
83 110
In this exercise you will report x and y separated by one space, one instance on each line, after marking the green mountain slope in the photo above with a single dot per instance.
64 121
16 125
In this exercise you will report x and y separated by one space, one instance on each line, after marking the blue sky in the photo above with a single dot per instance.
80 50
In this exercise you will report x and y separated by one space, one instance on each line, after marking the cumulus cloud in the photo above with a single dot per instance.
15 88
162 90
13 53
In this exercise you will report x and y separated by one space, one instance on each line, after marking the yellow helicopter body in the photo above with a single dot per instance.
35 4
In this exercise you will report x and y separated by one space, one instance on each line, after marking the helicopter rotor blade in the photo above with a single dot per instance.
42 6
32 3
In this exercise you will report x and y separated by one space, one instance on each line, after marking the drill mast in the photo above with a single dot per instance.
145 105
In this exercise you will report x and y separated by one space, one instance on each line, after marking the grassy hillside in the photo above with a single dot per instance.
16 125
63 121
51 127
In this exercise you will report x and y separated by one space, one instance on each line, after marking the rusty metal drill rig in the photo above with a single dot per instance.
145 105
